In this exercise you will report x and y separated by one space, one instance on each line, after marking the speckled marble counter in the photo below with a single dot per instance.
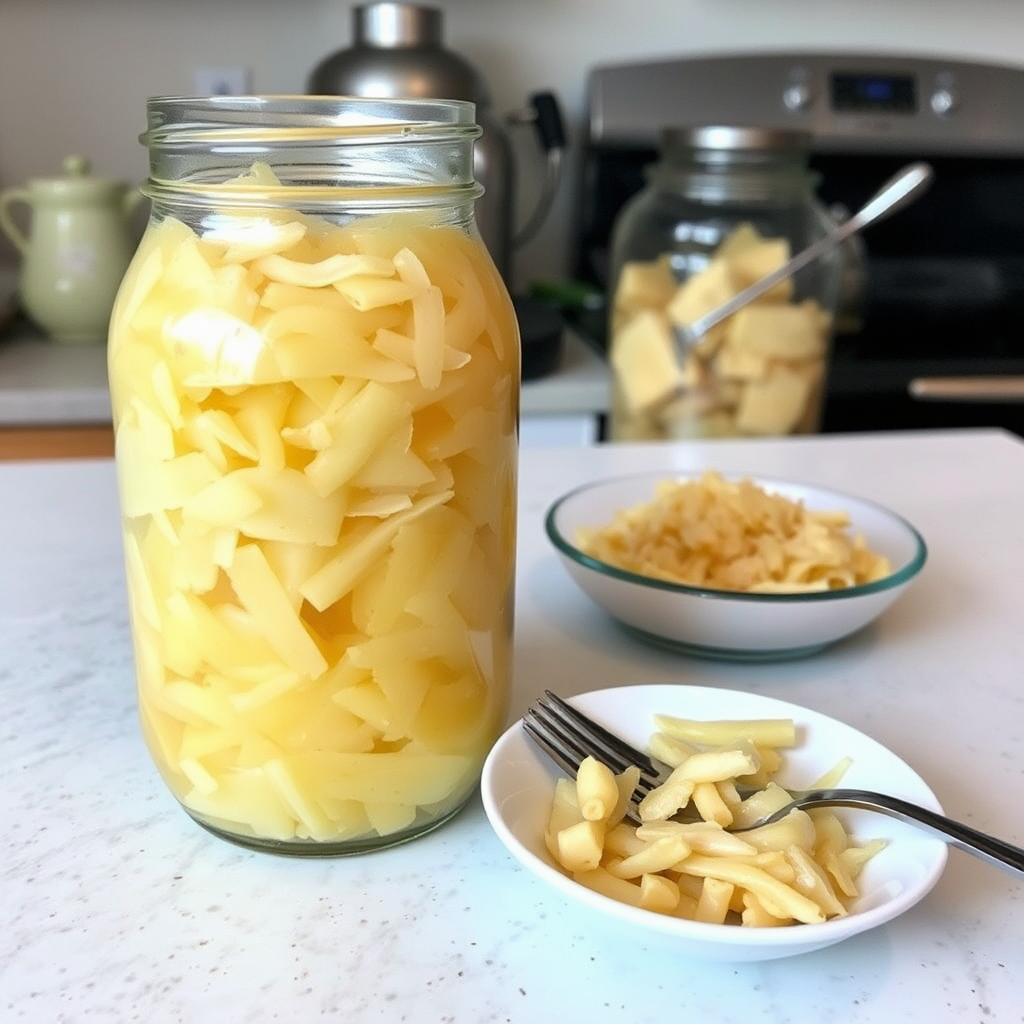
116 908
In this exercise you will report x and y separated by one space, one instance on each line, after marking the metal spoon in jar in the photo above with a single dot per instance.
897 192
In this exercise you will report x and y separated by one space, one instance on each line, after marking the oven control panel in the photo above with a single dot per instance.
879 94
847 101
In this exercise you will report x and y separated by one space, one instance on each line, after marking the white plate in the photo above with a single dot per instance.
518 782
728 624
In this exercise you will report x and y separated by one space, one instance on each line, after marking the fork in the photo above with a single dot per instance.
567 736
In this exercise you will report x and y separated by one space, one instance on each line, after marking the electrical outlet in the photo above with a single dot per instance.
221 81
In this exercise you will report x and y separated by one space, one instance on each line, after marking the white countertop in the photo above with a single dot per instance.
43 382
117 908
580 383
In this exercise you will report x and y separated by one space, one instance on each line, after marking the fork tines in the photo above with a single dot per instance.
567 737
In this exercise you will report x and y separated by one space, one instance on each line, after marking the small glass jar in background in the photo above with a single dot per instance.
314 369
722 207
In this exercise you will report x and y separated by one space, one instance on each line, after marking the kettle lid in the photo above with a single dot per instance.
398 51
76 184
396 24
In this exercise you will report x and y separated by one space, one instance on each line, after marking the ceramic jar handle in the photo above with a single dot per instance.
7 199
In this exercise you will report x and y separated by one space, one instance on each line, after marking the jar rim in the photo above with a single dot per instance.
326 120
320 151
734 138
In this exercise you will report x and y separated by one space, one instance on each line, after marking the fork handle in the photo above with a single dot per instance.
979 844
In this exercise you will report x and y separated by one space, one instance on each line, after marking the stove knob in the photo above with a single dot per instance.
943 101
797 97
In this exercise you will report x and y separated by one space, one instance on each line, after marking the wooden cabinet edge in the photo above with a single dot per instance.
81 442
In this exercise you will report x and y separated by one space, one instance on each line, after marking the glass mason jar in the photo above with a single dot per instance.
722 207
314 368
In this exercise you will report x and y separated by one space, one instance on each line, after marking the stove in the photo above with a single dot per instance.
935 291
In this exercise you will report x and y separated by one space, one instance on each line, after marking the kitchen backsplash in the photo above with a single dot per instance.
74 76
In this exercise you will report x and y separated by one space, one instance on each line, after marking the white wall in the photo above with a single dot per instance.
74 74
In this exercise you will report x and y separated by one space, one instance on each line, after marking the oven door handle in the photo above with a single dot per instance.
1008 388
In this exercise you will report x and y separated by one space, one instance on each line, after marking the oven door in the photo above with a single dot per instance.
940 294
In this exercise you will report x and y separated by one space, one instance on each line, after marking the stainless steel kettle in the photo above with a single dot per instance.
397 52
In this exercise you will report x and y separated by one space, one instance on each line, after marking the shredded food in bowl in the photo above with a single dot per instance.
734 535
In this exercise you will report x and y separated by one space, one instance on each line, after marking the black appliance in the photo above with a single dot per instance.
937 290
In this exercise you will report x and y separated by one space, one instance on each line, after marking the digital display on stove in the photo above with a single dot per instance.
864 93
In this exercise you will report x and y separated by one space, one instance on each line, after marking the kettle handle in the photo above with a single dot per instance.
7 199
546 116
548 121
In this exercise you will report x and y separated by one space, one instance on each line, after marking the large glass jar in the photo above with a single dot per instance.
722 207
314 368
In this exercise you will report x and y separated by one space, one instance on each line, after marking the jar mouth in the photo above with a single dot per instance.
312 120
735 162
319 150
735 138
